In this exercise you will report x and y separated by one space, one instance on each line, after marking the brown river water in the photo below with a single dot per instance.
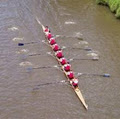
99 30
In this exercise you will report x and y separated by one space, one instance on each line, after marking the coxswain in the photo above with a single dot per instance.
59 54
55 47
52 41
47 29
63 61
70 74
67 67
74 82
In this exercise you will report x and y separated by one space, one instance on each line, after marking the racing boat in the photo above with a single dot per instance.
77 89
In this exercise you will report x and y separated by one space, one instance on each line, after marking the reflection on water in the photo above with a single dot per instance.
99 30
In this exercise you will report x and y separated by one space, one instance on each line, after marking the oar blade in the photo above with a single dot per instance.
29 69
88 49
106 75
20 44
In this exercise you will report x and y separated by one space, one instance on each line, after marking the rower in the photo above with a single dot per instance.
63 61
55 47
70 74
74 82
49 35
52 41
59 54
47 29
67 67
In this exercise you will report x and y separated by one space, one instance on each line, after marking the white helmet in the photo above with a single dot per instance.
75 81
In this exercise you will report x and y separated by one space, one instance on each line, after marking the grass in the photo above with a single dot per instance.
114 6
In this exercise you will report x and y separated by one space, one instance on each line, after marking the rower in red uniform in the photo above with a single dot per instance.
67 67
70 74
63 61
52 41
74 82
55 47
48 35
59 54
46 29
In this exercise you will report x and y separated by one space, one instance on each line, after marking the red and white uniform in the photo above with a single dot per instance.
55 47
52 41
63 61
70 74
67 67
59 54
48 35
46 29
74 82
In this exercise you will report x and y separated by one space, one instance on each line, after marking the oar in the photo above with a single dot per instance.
41 67
72 59
50 83
87 49
34 54
63 36
22 44
103 75
94 59
64 47
24 56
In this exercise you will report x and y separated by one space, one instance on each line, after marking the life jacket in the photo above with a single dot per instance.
70 75
52 41
63 61
67 67
59 54
55 47
75 82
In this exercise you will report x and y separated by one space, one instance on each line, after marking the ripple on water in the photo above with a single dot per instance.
93 53
70 22
83 43
78 34
26 63
22 51
13 28
17 39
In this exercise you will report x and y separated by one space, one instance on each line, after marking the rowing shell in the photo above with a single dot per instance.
77 90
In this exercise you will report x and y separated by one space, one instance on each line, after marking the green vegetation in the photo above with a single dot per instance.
114 6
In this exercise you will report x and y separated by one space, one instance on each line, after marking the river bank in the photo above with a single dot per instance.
114 6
